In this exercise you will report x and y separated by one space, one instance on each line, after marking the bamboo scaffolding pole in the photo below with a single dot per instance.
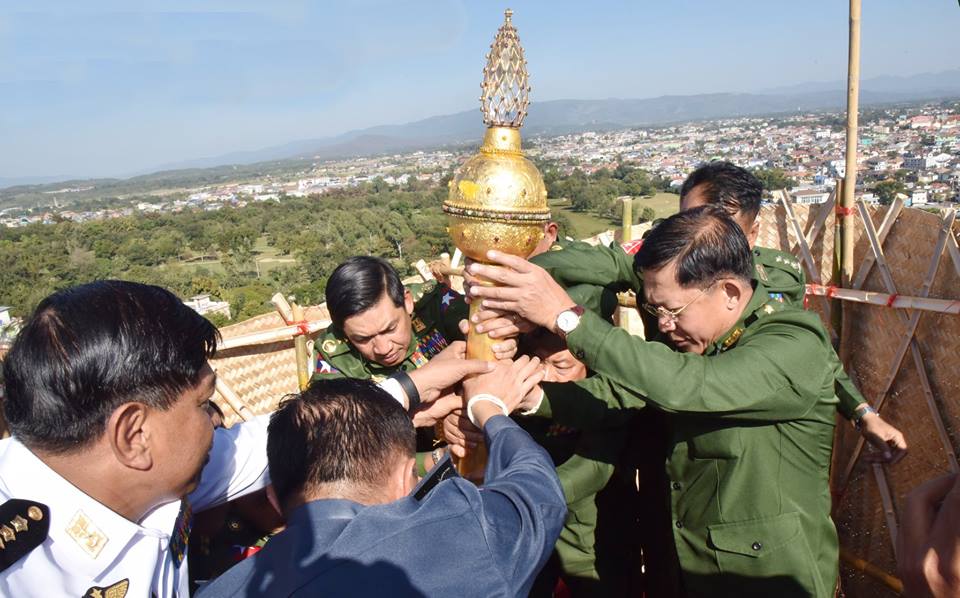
887 501
233 400
300 347
954 252
806 256
872 570
845 214
271 336
888 220
943 306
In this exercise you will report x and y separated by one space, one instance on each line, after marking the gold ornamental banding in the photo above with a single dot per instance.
497 199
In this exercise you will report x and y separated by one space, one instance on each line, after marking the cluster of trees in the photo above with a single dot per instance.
318 233
597 193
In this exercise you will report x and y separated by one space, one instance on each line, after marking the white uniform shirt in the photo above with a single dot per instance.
91 547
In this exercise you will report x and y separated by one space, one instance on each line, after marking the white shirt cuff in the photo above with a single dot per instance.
395 390
536 407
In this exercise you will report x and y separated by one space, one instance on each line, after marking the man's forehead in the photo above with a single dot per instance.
374 320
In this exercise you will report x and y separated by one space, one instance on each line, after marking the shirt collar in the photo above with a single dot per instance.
73 512
730 338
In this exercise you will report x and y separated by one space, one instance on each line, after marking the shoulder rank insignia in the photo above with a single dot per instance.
117 590
446 300
23 526
762 273
87 535
734 337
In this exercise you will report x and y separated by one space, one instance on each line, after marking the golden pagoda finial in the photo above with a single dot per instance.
506 89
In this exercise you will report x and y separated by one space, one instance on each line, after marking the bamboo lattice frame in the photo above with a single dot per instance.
904 298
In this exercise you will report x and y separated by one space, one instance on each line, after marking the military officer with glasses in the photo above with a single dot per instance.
747 385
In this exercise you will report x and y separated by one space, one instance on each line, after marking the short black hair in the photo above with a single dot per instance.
342 429
706 244
87 350
357 285
726 184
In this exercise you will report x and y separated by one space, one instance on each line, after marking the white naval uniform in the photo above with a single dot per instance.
90 546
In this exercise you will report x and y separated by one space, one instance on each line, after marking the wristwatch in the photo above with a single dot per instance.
568 320
862 410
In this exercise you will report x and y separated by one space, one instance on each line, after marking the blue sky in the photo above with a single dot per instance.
97 87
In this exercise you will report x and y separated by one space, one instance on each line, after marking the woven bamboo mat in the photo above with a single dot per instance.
261 375
871 337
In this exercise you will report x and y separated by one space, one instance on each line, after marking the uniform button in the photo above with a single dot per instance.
679 524
403 367
676 485
579 353
756 546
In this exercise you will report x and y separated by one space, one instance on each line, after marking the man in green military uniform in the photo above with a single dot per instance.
381 331
749 391
739 192
379 327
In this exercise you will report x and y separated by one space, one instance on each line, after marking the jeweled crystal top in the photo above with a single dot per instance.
506 89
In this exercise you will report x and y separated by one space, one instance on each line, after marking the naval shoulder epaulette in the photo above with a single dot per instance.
23 526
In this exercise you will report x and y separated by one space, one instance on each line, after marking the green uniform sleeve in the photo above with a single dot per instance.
847 392
776 373
591 466
586 264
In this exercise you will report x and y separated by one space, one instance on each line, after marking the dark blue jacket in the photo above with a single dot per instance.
459 540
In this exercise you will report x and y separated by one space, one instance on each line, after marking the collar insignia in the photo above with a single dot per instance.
87 535
418 325
733 338
762 273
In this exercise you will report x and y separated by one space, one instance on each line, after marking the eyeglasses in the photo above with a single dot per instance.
672 315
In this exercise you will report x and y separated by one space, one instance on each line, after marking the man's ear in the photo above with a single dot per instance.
408 301
272 498
733 291
403 478
128 432
551 231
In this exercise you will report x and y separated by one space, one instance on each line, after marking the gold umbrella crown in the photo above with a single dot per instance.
506 85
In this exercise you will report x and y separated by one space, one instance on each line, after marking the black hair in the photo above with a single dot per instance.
726 184
337 430
358 284
87 350
706 244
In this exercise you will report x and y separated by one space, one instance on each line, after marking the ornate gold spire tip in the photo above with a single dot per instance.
506 89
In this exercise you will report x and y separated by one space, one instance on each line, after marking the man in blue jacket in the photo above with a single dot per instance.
341 459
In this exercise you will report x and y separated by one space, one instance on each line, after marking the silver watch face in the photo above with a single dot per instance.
567 320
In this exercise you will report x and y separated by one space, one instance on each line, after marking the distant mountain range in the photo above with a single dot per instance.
558 117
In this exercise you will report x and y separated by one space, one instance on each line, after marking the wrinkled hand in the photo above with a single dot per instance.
928 545
888 442
460 434
446 369
510 381
505 349
522 288
428 414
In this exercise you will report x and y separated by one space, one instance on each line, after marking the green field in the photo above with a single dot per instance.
664 204
266 257
587 224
